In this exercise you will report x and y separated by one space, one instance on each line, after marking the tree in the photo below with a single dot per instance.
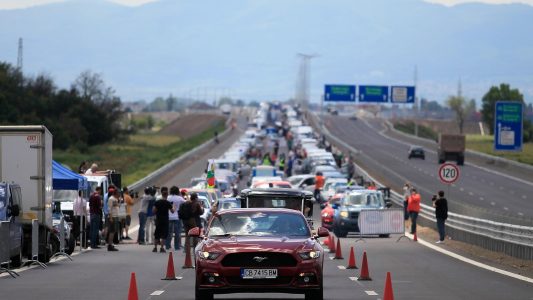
461 108
501 93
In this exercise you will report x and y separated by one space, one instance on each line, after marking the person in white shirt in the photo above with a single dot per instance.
113 222
92 170
80 217
174 222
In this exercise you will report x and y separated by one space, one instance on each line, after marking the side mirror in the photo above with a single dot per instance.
194 232
322 232
303 185
335 206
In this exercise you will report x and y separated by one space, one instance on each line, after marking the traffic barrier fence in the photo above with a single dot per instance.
381 221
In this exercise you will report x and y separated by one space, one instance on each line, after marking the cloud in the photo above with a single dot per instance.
16 4
455 2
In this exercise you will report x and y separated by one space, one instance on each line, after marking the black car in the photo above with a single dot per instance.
416 151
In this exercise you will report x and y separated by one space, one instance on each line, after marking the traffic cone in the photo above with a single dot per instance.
171 275
364 269
388 294
415 239
351 261
188 261
132 293
338 253
332 244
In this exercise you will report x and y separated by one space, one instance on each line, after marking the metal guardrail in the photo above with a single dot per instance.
140 184
513 240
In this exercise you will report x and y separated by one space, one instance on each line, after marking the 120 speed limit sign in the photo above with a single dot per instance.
448 173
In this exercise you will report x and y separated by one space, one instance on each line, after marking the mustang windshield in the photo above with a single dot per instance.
259 224
372 200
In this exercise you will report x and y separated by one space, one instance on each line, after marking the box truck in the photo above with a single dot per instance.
451 147
26 159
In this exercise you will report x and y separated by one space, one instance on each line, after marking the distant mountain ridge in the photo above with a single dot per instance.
250 47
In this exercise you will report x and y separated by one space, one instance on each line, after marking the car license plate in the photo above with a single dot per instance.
259 273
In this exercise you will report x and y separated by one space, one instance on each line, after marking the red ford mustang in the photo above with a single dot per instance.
263 250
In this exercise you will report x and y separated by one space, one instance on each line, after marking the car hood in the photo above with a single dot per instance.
359 208
255 243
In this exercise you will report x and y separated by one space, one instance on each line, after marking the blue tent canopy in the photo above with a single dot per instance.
65 179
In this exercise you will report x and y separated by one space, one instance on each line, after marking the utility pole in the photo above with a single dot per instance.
460 88
303 86
19 57
417 105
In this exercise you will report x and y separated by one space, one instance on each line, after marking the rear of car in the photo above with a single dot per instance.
416 152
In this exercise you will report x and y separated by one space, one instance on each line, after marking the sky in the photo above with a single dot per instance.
13 4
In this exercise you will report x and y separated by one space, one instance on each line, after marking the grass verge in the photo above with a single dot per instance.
485 144
409 128
137 156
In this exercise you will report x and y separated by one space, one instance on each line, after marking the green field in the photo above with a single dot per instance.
485 144
138 155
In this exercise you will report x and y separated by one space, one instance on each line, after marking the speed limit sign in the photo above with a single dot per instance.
448 173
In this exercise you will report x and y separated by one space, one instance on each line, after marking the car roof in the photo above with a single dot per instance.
273 191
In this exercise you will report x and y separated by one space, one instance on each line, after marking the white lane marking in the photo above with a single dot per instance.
470 193
506 208
501 188
481 198
331 257
157 293
492 183
353 278
453 184
341 267
493 203
524 197
520 214
462 189
511 192
371 293
471 261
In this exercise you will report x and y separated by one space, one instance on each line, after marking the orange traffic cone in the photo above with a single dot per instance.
338 253
388 294
171 275
364 269
351 261
415 239
188 262
332 244
132 293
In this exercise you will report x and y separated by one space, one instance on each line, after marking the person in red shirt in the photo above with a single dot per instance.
413 207
319 184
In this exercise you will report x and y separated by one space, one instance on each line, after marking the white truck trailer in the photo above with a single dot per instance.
26 159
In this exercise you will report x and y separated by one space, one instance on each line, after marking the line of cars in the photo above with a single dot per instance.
260 241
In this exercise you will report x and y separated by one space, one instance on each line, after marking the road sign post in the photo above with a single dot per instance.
448 173
508 125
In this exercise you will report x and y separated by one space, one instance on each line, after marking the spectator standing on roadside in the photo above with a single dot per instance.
128 200
189 212
319 184
441 214
83 167
173 218
143 210
414 208
162 208
80 215
406 195
150 217
113 222
95 210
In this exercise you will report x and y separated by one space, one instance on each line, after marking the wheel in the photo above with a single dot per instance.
71 244
441 161
340 233
202 295
16 261
461 161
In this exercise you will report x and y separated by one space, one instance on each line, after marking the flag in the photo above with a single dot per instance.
211 174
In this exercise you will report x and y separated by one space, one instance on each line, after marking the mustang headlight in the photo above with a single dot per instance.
325 215
309 255
344 214
208 255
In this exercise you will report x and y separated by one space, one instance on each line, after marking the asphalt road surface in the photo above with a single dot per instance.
418 272
479 192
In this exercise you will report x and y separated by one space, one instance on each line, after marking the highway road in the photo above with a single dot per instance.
418 272
478 192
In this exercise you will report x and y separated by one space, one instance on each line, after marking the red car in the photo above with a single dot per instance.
259 250
328 213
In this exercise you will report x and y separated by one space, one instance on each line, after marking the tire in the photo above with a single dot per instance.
460 161
340 233
16 261
441 161
202 295
71 245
